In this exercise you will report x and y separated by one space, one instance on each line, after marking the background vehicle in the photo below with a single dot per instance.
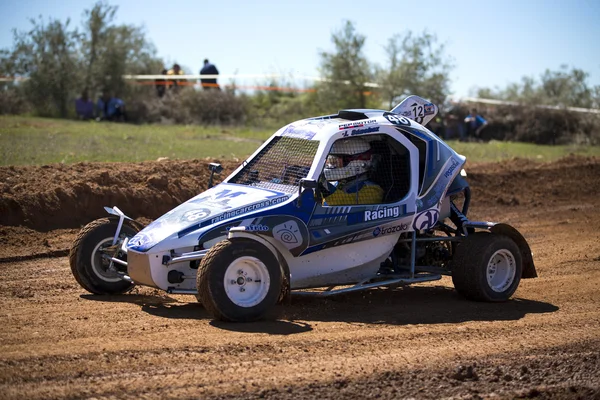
267 229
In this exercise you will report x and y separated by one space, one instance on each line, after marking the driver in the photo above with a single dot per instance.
346 172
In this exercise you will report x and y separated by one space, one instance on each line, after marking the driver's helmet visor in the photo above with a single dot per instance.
342 160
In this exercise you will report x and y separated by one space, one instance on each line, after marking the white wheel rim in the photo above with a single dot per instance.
247 281
100 264
501 270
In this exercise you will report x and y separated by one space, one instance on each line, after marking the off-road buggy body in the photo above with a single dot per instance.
243 244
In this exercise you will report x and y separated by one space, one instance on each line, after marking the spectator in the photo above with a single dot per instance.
209 69
175 83
161 84
474 124
84 107
110 108
453 127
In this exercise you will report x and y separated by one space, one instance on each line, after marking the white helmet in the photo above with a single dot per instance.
348 158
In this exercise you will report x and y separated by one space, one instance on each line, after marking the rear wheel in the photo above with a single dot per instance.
239 280
93 271
487 267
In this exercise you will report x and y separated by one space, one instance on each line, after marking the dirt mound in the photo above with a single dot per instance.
69 196
526 182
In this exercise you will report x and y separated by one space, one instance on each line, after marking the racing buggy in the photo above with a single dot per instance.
338 203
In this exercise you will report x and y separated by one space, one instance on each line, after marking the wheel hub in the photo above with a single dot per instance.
103 268
501 270
246 281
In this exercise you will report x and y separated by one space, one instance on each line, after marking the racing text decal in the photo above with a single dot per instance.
385 212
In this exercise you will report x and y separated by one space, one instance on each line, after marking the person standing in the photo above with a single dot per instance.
175 83
84 106
161 84
474 124
209 69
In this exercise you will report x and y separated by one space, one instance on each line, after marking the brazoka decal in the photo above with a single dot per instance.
390 229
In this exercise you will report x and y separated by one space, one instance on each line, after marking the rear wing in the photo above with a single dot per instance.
416 108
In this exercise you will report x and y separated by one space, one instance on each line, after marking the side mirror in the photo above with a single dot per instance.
215 168
309 184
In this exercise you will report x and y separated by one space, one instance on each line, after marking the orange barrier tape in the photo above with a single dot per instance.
179 82
216 85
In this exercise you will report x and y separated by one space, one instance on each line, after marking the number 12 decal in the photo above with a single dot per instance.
418 114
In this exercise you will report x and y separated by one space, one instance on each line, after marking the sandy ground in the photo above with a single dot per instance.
423 341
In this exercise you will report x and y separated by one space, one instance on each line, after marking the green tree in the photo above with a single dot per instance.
345 71
416 64
565 87
47 56
111 51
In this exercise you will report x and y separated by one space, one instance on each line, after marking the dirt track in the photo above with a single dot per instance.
56 341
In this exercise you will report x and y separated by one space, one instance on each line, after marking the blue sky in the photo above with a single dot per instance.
492 43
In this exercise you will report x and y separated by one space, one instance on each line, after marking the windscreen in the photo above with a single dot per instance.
280 165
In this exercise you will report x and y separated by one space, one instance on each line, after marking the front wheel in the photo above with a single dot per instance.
487 267
90 268
239 280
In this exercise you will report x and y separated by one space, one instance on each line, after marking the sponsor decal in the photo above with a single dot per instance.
296 132
317 122
435 194
397 119
429 108
356 124
354 132
249 208
385 212
220 199
195 215
288 233
426 220
391 229
252 228
139 240
451 169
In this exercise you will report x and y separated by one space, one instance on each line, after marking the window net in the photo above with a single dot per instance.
366 170
280 165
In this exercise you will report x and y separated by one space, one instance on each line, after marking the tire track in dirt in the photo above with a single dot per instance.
424 341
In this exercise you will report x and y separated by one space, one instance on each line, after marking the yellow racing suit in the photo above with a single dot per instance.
355 192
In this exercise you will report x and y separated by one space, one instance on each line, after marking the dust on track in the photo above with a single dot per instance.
423 341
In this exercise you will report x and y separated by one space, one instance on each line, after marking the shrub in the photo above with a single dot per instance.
187 106
12 101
